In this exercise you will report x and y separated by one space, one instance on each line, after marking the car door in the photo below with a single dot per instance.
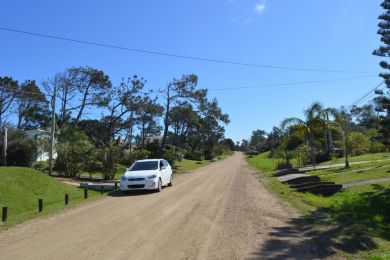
168 170
163 170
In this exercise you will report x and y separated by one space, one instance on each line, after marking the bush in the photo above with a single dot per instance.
170 156
195 155
252 152
73 150
358 143
41 165
128 158
109 158
283 165
20 150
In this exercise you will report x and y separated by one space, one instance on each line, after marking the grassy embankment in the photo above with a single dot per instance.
20 189
357 215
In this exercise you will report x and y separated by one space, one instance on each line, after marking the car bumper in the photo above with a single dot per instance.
139 185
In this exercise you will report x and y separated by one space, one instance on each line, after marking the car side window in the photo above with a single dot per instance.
165 163
161 164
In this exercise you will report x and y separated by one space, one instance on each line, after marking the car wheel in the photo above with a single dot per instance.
171 181
159 187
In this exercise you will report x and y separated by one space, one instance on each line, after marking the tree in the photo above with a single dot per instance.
257 141
147 112
8 93
185 122
66 92
177 91
32 106
93 87
305 128
344 121
229 143
73 149
384 51
365 116
211 131
125 100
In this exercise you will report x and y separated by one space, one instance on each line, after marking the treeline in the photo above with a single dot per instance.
323 134
176 121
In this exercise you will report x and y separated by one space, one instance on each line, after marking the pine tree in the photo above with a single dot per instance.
383 101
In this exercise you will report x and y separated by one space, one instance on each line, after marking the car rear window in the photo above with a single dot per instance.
144 166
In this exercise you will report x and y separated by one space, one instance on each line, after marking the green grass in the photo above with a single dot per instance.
262 162
360 158
347 218
359 172
188 165
20 189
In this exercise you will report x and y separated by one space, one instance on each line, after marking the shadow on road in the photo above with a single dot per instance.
118 193
348 226
312 238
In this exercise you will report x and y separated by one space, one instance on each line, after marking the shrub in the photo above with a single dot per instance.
170 156
195 155
129 158
73 149
358 143
20 150
109 158
41 165
252 152
283 165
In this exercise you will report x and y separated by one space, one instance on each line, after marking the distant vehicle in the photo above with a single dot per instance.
147 175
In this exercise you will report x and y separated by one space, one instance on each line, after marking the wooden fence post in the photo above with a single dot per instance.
5 214
40 205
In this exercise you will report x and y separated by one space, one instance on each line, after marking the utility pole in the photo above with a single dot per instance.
5 142
53 129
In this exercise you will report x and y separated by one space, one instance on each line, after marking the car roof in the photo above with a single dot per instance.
149 160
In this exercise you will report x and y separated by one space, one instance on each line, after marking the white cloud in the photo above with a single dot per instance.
259 8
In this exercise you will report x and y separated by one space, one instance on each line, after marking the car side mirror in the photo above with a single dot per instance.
163 167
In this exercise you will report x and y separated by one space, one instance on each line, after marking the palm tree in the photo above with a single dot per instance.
304 129
343 121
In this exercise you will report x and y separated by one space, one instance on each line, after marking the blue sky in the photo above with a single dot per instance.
321 34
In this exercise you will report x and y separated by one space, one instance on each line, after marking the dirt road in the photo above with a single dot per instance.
220 211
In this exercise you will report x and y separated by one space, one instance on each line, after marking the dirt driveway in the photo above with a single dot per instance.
220 211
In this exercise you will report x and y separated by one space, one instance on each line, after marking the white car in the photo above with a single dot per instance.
147 175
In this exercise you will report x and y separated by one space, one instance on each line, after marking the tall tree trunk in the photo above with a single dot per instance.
313 152
166 123
82 106
345 150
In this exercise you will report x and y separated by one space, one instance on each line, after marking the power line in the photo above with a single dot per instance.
293 83
173 55
366 95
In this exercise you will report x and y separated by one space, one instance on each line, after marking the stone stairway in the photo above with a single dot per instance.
303 182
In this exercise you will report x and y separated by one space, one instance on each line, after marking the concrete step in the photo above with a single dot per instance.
288 171
322 189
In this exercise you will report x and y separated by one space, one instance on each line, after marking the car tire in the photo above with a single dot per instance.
159 186
171 181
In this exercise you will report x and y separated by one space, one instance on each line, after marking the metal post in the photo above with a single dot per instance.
116 185
66 199
101 189
5 214
86 193
53 128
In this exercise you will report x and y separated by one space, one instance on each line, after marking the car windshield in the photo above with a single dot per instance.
144 166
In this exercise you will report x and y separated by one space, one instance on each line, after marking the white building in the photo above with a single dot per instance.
43 140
